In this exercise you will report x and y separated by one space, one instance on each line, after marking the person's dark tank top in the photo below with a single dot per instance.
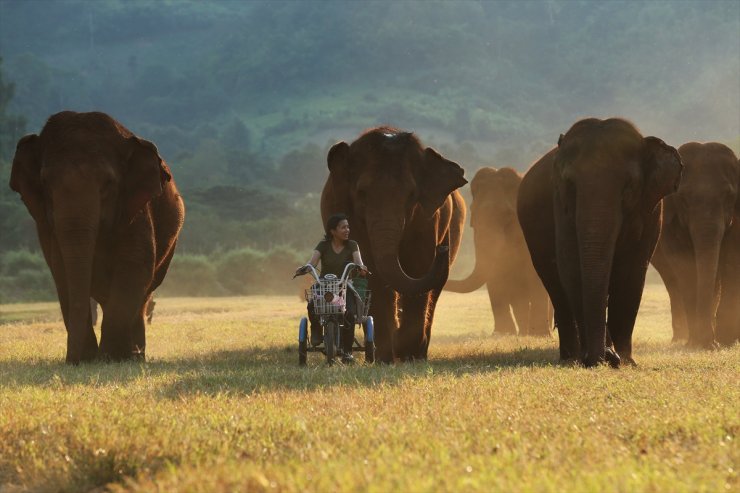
334 263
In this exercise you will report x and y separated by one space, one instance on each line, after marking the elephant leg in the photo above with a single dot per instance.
428 320
90 342
123 311
383 310
664 264
570 347
503 322
539 321
412 337
728 312
679 322
520 309
686 290
138 333
626 284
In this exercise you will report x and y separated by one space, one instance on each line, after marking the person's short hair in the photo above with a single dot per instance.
332 223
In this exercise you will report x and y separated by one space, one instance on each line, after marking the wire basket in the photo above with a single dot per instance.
328 297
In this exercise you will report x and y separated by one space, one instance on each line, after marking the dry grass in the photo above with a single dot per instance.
221 405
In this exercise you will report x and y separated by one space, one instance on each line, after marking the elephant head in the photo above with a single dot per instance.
83 175
383 181
493 217
607 179
493 211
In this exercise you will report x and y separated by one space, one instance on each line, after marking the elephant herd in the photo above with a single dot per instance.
577 231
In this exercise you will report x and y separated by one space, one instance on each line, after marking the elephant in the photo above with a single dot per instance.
591 213
407 216
502 260
107 214
698 254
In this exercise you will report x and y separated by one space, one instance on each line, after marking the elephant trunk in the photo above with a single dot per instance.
76 234
475 280
598 228
707 239
385 241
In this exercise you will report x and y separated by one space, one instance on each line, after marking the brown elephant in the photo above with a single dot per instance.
502 261
698 254
407 217
107 214
591 214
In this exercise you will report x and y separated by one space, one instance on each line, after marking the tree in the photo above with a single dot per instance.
12 127
15 223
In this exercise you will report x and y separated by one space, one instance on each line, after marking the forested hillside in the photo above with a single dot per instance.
243 99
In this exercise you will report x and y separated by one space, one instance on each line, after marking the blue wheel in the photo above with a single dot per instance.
369 340
302 341
369 329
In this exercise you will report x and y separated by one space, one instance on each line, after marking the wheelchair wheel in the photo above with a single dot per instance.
302 341
369 329
329 341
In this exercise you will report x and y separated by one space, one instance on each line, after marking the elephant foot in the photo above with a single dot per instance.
726 342
570 362
726 338
383 358
708 344
114 356
589 362
504 333
678 340
629 361
72 360
139 355
538 333
612 357
570 354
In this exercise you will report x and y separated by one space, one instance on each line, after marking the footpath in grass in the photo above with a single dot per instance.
221 405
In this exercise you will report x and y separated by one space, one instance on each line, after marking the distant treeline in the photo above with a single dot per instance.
243 99
24 275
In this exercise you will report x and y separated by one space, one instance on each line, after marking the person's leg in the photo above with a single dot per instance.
317 336
350 318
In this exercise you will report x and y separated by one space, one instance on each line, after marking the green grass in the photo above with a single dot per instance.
221 405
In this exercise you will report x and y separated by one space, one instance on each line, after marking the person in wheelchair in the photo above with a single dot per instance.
335 251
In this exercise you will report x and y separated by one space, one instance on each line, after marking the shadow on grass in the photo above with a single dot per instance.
258 370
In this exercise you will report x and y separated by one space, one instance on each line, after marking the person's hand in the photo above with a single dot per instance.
364 271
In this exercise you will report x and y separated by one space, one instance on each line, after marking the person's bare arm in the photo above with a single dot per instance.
357 258
315 258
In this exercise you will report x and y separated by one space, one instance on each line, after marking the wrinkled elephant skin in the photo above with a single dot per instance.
502 261
698 254
108 214
407 216
591 214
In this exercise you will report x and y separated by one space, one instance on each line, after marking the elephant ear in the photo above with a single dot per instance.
438 179
144 178
662 169
339 174
25 176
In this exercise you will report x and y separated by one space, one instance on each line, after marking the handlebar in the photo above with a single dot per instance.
305 270
348 270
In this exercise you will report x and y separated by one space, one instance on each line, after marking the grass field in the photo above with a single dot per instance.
221 405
